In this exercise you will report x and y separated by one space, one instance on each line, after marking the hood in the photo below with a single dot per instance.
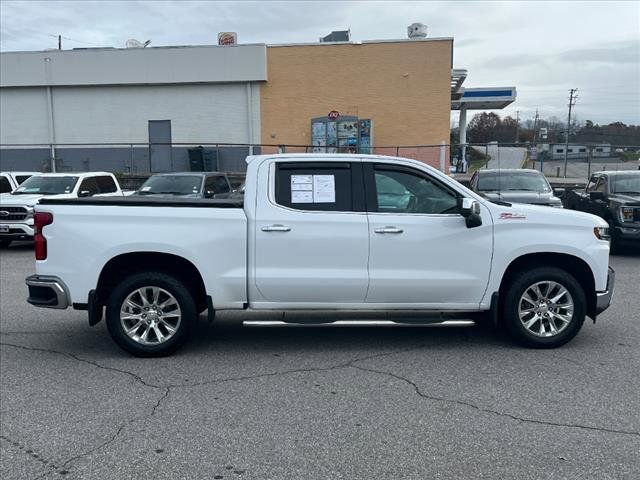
515 196
30 200
544 215
626 198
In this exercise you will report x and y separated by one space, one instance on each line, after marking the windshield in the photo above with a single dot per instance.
625 184
172 185
528 182
45 185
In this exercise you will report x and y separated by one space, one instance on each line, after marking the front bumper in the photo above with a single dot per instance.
603 299
16 231
628 235
47 292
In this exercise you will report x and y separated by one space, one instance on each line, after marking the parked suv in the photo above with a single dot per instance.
514 186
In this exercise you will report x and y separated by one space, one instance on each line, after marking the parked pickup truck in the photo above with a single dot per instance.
514 185
340 234
9 181
16 208
615 197
187 184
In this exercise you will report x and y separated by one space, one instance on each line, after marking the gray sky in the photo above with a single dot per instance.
543 48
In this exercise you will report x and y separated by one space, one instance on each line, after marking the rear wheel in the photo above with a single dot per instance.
5 243
150 314
544 307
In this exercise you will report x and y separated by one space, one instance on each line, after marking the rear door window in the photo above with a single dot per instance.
322 186
217 184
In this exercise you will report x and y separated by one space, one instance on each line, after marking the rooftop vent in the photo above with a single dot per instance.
417 30
337 36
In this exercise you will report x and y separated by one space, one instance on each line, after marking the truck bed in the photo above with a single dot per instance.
148 202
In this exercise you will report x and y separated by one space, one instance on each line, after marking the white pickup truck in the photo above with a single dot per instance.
16 208
339 234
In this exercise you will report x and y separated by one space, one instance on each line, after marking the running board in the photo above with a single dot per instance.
358 323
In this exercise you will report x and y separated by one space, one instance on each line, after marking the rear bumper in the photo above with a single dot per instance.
47 292
603 299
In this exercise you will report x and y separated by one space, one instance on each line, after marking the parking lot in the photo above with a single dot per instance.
326 403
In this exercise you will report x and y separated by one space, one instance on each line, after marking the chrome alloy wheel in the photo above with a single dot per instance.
545 308
150 315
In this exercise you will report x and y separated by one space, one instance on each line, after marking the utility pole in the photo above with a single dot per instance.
573 96
517 126
59 42
535 127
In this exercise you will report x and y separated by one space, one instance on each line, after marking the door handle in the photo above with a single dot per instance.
276 228
388 230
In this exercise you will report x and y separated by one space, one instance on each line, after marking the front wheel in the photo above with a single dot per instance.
544 307
150 314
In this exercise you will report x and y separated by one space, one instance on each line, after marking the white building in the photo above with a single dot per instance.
580 151
123 97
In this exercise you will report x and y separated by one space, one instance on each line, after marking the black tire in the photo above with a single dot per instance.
150 279
519 284
5 243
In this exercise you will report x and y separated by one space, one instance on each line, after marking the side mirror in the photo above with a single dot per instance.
470 210
84 193
596 195
558 192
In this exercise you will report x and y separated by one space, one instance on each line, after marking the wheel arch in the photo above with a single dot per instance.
576 266
137 262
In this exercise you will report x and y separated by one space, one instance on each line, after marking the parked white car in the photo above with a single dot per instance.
9 181
16 208
333 233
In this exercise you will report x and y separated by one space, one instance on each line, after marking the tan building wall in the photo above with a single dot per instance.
403 86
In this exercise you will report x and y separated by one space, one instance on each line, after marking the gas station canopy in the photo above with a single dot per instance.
494 98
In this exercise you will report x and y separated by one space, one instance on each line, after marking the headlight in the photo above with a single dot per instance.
601 233
626 214
29 212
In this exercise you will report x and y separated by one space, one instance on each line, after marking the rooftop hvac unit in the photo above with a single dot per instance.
417 30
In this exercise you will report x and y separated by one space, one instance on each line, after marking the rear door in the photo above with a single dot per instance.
421 251
311 234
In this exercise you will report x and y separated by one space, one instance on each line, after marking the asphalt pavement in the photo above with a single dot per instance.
325 403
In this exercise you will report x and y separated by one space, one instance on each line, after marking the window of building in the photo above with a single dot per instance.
582 150
325 186
560 150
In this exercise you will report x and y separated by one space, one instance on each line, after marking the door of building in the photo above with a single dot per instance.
160 159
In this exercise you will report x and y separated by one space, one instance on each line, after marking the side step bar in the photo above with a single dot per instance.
359 323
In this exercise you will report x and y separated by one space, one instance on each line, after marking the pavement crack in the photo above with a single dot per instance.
490 411
28 451
136 377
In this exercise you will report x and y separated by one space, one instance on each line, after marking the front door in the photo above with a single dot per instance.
421 251
311 235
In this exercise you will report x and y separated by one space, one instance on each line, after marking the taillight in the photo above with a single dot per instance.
40 220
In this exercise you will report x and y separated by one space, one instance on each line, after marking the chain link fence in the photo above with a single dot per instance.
141 159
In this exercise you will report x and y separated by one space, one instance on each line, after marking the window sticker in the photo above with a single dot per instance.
324 189
313 189
301 196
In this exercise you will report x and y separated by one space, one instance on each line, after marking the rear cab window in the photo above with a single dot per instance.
5 185
106 184
320 186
